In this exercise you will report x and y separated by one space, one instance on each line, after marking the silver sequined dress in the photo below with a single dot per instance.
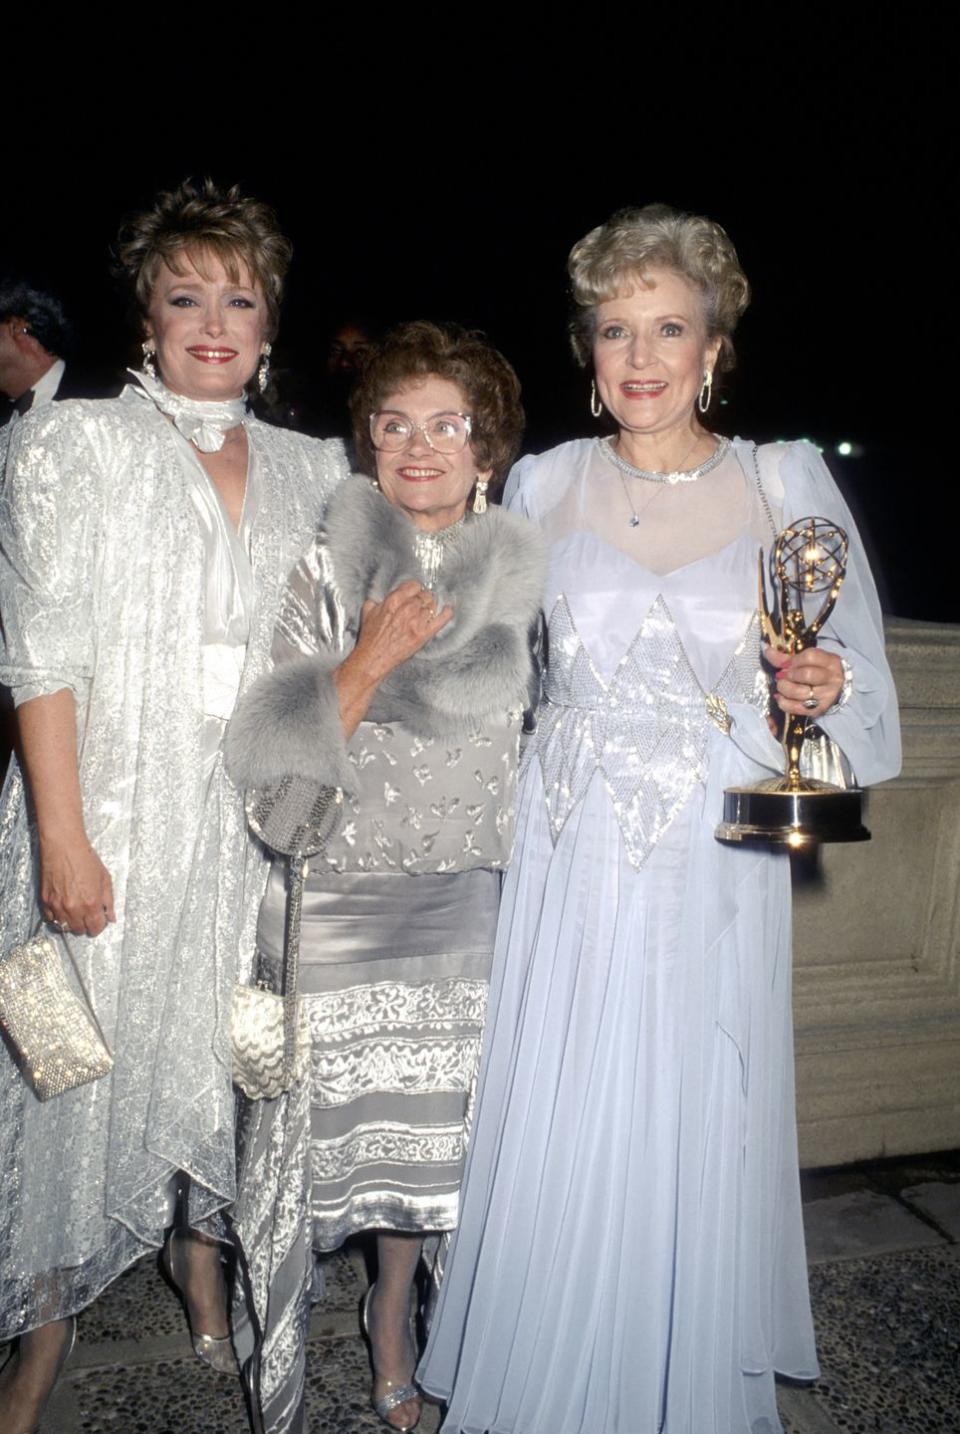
630 1251
120 580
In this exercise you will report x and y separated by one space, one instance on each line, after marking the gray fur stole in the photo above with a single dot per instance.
474 669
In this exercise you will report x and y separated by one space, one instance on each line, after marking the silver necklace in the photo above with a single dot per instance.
689 475
676 475
430 549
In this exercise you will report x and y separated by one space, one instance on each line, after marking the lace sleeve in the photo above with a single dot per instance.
49 521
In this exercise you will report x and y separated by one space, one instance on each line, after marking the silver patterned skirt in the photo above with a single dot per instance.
394 972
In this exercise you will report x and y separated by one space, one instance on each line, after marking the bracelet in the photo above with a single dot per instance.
845 690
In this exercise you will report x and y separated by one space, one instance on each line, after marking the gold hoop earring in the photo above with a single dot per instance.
596 407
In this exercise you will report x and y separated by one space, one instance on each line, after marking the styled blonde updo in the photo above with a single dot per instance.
632 241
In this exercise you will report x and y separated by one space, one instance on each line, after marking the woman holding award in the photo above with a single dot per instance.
630 1251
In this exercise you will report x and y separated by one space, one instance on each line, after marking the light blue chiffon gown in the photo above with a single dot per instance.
630 1255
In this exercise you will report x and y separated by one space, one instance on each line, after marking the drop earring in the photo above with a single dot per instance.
148 352
596 407
480 496
263 368
706 389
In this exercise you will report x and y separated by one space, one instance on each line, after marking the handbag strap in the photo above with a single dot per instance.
312 831
289 976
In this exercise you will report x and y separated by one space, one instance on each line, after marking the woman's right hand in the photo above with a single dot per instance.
393 630
390 632
76 893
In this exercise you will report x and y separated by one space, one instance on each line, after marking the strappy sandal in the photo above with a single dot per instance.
396 1394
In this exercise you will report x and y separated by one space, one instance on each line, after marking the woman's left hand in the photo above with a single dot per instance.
805 676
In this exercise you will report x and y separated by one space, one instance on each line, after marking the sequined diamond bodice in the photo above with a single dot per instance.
642 669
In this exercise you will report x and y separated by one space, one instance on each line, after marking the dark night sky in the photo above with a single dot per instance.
460 197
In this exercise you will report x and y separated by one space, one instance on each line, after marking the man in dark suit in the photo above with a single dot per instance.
35 341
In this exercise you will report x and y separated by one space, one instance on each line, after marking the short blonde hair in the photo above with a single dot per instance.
656 236
201 220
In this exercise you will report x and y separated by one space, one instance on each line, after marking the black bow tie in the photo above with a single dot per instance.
24 403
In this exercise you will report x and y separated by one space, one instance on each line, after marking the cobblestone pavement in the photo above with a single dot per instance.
884 1250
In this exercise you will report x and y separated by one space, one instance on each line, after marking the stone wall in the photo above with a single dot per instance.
877 935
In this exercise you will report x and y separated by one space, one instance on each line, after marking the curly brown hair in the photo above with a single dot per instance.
656 236
422 349
201 220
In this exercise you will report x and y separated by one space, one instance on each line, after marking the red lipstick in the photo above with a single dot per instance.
212 353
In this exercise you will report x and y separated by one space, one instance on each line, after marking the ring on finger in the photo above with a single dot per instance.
811 701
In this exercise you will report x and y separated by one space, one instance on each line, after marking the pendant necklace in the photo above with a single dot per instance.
676 475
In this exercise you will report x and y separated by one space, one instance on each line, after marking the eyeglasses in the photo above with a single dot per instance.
391 431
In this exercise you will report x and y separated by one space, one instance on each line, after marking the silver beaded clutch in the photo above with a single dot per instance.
54 1031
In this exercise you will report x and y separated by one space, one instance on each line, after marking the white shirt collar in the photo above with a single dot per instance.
46 387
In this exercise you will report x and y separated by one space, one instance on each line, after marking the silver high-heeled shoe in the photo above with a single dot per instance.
216 1352
396 1394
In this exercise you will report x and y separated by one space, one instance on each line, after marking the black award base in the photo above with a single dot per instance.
772 815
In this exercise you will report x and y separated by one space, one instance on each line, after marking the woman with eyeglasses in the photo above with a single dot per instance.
404 664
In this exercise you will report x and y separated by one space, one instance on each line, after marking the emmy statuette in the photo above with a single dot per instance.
809 558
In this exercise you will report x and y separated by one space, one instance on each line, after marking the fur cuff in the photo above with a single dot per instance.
472 685
288 724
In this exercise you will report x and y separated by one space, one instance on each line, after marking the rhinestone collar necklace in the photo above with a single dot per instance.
689 475
430 549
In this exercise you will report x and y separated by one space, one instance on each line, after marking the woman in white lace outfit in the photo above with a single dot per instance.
403 667
143 546
630 1251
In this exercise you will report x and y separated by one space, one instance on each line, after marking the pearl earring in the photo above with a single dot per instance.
263 369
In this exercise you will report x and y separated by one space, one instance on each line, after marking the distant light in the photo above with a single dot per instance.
845 449
796 840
